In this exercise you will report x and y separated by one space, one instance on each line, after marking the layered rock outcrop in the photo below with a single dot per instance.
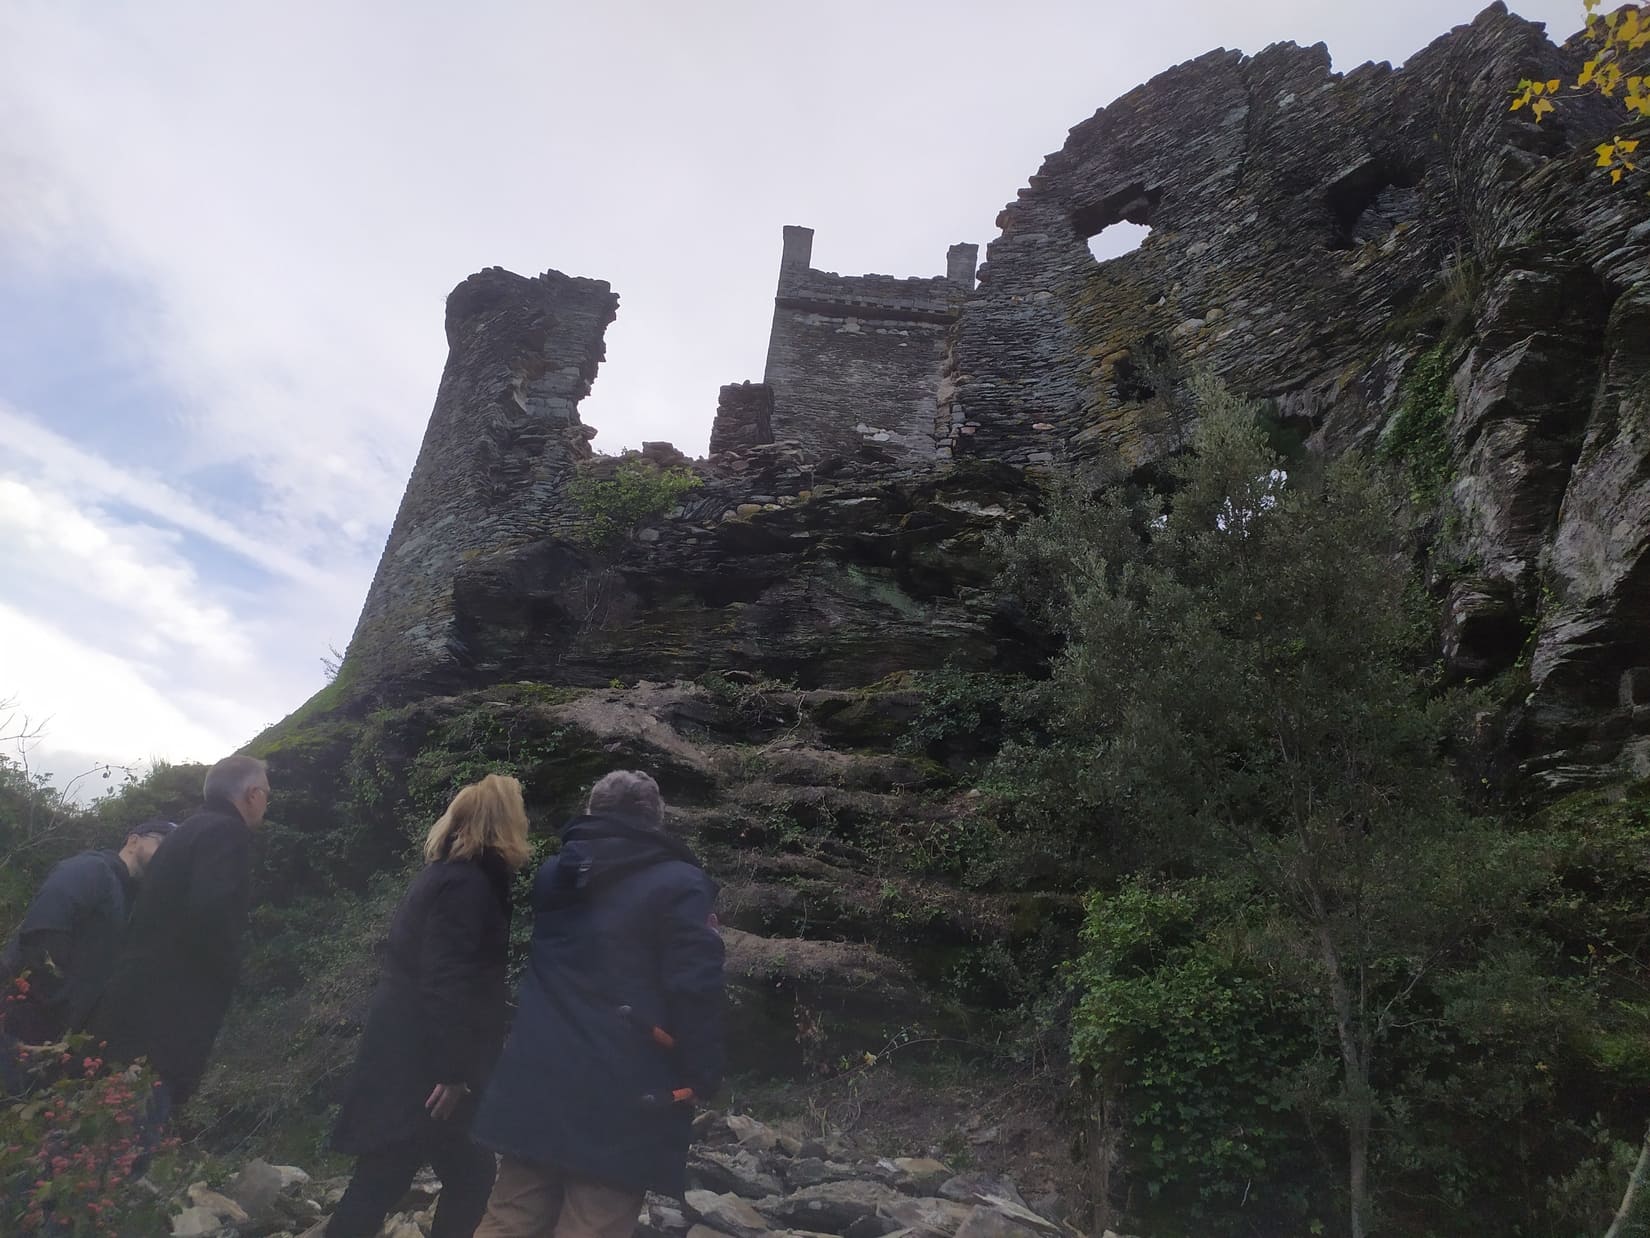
1353 248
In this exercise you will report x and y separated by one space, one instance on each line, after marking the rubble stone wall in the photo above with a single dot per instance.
1318 240
857 358
502 442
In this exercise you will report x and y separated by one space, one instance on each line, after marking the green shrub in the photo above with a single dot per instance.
69 1147
1200 1054
963 712
638 491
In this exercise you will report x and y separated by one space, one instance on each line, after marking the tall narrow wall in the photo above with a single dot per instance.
501 442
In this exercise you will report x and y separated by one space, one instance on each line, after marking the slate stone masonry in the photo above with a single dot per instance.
1314 237
502 442
858 358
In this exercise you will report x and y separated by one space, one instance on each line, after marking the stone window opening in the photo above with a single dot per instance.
1119 223
1368 202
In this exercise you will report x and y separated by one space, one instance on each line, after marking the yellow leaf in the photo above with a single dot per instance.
1540 108
1586 73
1590 5
1615 176
1552 86
1627 144
1606 154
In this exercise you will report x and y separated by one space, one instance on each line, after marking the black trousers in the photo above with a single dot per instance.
381 1178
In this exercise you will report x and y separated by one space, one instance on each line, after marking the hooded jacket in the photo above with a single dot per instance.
623 941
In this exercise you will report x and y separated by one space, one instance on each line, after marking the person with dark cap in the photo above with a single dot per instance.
182 956
61 957
619 1029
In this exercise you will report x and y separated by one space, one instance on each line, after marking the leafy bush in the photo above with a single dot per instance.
1244 690
1418 436
638 491
1201 1053
71 1146
964 714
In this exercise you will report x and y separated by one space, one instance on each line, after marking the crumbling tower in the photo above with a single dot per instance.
503 438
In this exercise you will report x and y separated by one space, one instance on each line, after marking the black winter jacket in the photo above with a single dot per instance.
439 1010
73 928
183 948
623 941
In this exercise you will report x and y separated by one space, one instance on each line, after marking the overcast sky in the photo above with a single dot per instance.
226 232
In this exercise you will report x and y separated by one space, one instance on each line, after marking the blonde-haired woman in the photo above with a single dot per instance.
437 1021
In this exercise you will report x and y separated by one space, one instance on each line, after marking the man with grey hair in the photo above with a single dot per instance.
627 791
619 1027
182 955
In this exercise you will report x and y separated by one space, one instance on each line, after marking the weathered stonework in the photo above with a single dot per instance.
1318 241
744 418
856 359
501 444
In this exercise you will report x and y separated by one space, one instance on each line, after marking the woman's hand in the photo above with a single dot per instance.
446 1099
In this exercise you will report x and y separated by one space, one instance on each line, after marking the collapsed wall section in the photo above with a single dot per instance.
502 441
1360 250
1292 222
856 359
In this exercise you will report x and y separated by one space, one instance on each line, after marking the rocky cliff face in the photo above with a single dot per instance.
1384 255
1388 257
1323 241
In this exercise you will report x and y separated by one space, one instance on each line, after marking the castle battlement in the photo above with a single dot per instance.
857 358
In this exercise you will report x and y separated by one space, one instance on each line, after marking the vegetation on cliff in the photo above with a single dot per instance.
1301 948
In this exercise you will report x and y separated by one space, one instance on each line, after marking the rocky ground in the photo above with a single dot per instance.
745 1179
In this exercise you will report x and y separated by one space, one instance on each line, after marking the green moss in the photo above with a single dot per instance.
330 700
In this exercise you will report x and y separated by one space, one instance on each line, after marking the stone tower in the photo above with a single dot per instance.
857 358
502 439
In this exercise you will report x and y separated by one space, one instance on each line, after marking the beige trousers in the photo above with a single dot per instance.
530 1202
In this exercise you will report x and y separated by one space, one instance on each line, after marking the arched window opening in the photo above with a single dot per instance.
1119 223
1371 200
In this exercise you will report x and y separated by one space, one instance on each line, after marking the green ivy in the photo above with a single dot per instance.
1419 434
1199 1053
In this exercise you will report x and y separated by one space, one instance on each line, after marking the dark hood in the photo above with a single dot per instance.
598 851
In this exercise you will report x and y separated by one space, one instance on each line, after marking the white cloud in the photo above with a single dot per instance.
56 458
153 597
97 706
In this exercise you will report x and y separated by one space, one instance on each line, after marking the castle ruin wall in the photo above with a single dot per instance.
856 359
502 441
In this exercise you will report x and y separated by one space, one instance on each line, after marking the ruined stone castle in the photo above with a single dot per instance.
1313 235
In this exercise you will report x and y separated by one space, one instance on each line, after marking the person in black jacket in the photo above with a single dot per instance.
619 1028
436 1021
182 954
66 946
